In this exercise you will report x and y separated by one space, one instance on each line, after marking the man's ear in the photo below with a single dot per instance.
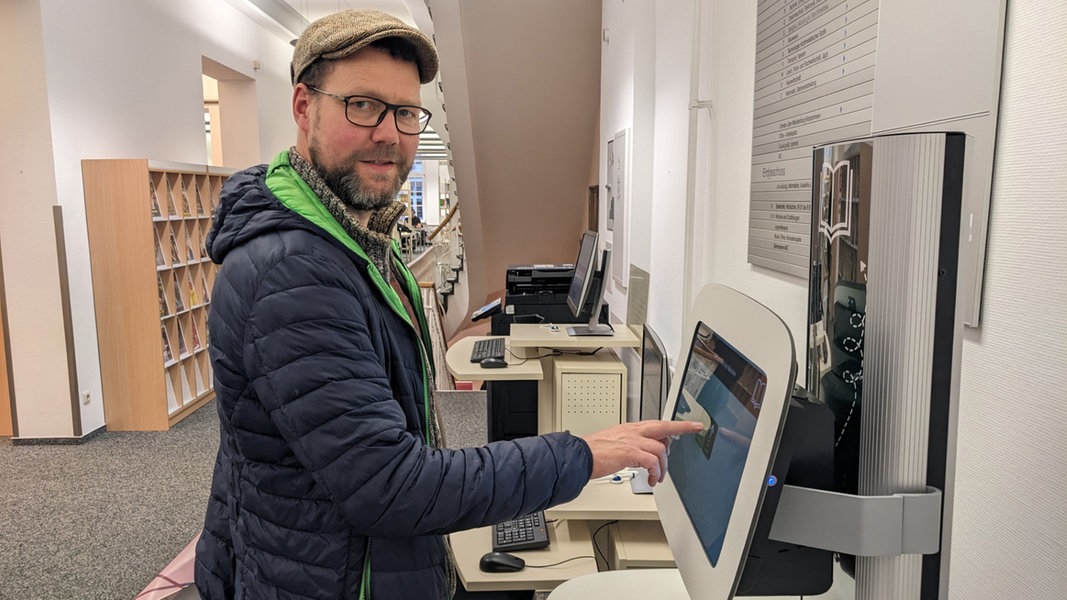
301 105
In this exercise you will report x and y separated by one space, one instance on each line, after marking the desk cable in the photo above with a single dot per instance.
596 545
523 360
566 560
596 548
558 352
552 353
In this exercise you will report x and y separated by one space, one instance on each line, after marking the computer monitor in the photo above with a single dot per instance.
584 268
594 283
655 375
737 380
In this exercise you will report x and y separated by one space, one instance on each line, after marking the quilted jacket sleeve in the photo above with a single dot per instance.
316 366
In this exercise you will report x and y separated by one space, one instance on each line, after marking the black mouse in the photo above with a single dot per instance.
492 362
500 562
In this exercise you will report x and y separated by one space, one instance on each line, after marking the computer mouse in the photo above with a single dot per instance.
500 562
493 362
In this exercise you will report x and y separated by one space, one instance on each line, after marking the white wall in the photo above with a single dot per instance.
39 366
669 160
124 81
646 85
431 189
1008 524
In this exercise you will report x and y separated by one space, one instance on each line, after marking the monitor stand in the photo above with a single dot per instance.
600 329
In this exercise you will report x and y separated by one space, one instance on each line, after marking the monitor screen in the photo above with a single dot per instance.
655 375
595 284
736 376
584 268
723 390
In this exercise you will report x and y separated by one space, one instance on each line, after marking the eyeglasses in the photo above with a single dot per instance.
367 111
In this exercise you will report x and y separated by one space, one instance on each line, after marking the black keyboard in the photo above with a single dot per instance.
525 533
487 348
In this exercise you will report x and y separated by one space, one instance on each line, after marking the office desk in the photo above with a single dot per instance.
606 501
568 539
638 545
529 350
526 339
458 361
634 584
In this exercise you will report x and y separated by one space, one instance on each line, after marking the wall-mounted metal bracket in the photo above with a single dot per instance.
859 525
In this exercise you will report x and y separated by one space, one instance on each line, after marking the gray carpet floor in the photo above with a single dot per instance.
98 520
101 518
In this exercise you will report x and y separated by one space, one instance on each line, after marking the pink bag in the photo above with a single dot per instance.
175 577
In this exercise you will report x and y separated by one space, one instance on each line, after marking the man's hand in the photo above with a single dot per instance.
641 444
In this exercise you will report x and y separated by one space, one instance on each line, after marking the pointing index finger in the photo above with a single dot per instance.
662 429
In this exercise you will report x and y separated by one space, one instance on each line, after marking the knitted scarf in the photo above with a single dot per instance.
376 238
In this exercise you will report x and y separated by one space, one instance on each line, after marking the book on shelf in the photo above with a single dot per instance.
182 350
155 200
185 198
165 188
179 305
167 354
160 261
175 256
199 202
195 335
189 247
164 309
204 287
194 300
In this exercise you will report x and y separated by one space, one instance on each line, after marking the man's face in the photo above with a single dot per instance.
364 166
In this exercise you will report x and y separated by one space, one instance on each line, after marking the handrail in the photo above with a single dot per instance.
441 225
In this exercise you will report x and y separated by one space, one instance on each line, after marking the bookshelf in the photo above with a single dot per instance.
148 223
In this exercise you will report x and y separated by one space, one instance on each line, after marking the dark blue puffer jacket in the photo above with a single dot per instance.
322 397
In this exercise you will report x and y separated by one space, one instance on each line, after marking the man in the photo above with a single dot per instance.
330 480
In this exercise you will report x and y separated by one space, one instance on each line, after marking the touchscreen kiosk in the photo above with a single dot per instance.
737 379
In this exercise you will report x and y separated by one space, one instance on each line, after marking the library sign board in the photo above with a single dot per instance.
833 70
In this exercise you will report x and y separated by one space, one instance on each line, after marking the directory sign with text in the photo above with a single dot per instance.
815 64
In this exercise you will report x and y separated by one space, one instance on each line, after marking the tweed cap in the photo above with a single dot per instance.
342 34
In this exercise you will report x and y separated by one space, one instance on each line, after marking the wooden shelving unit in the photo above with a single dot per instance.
152 279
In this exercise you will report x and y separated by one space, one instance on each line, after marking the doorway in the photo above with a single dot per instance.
231 126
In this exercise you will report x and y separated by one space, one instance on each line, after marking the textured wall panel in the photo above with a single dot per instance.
1009 530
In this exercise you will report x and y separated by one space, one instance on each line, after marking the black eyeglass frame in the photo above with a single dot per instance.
381 117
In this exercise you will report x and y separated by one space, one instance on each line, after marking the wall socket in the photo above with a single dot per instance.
85 397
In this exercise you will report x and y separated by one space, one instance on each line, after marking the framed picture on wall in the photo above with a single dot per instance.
615 189
609 187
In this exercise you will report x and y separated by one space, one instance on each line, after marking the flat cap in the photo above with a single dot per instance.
341 34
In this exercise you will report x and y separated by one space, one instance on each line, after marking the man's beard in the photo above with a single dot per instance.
350 188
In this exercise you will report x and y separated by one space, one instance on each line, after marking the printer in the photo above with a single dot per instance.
538 279
533 294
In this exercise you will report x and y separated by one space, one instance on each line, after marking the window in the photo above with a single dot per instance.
415 185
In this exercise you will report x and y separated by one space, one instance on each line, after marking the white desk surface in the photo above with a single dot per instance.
458 361
531 335
640 545
630 584
603 500
568 539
